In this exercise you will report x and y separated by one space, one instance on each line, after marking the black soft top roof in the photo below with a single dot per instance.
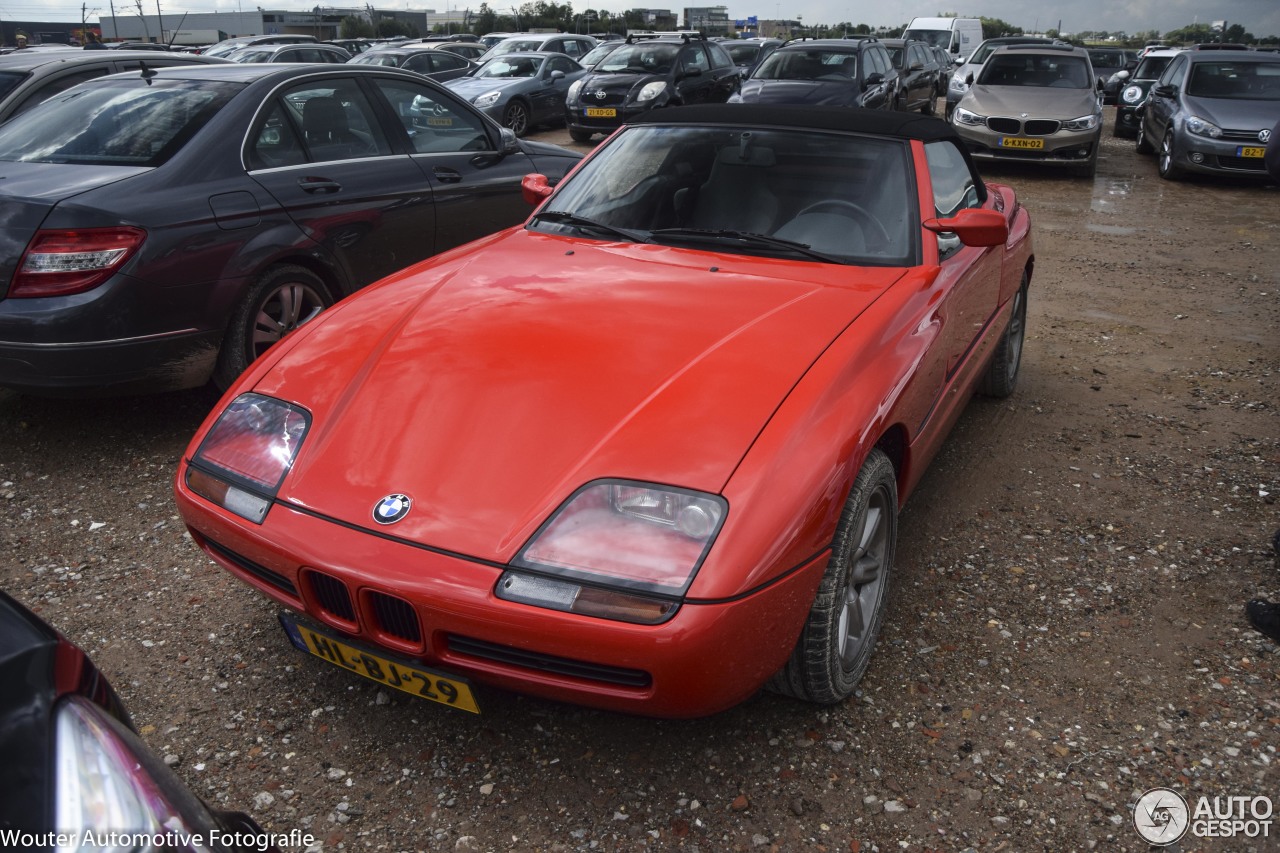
880 122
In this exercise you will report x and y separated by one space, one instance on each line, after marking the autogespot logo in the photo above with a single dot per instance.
1161 816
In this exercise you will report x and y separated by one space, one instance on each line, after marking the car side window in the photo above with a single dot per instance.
444 61
693 57
434 122
1173 75
333 121
419 63
954 187
559 63
720 57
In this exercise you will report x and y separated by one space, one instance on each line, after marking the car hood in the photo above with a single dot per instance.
1043 102
472 87
811 92
490 383
1234 113
28 191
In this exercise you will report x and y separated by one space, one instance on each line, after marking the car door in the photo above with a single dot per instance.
1162 99
548 99
877 91
723 69
969 279
921 80
322 152
475 183
694 80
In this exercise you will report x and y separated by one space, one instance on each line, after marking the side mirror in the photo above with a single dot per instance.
534 189
1164 91
510 143
557 74
690 72
968 80
974 227
916 66
873 79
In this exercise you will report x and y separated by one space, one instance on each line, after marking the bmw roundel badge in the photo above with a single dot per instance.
391 509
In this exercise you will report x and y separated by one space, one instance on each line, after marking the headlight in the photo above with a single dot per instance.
106 783
574 89
1088 122
651 91
618 550
1132 94
1200 127
244 458
971 119
488 99
957 84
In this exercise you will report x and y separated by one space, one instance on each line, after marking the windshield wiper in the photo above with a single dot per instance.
574 219
750 238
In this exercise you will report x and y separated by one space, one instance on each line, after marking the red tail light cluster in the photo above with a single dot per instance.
60 263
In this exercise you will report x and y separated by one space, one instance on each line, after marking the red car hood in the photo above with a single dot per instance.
491 382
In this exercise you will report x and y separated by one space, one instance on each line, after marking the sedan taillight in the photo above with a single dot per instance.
59 263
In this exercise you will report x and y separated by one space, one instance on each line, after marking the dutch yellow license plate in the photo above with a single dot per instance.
601 112
1248 151
433 686
1019 142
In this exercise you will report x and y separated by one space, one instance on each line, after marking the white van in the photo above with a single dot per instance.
957 36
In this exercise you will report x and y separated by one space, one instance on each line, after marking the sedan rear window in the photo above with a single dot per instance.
128 122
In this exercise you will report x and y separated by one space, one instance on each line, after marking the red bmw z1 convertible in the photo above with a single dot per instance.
645 452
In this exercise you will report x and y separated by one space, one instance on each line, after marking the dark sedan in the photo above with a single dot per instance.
648 74
831 72
429 60
918 73
73 763
165 227
521 90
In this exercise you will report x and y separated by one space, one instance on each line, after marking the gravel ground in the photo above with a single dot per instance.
1066 630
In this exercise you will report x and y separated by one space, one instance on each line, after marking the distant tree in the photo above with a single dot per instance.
355 27
388 28
1237 34
994 27
486 20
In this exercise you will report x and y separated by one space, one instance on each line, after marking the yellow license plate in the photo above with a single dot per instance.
1018 142
439 121
601 112
1250 152
445 689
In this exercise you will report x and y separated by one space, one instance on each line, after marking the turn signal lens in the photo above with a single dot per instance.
60 263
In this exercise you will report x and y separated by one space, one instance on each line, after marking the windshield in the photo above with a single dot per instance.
1151 67
9 81
1106 59
809 64
251 54
120 123
1235 81
516 46
1036 69
743 54
522 66
378 57
830 197
597 53
936 38
642 58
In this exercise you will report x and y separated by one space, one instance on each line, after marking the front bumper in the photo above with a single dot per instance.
1064 148
1127 121
575 116
1224 156
440 609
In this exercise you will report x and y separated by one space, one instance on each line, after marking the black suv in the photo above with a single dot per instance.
835 72
645 74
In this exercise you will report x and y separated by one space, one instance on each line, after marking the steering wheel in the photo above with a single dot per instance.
854 211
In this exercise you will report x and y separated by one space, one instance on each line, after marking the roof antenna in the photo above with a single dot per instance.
147 73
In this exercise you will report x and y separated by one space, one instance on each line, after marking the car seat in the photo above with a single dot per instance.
324 125
735 196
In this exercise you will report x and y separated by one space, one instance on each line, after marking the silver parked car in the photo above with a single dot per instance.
1212 111
521 90
1034 103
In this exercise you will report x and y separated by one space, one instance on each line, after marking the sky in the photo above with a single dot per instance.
1260 17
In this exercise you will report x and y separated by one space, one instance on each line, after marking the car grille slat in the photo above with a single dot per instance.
1004 125
332 595
395 616
1042 127
548 663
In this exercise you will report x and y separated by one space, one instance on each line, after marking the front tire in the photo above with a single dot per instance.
516 117
1002 374
580 135
1142 146
840 632
1166 164
281 300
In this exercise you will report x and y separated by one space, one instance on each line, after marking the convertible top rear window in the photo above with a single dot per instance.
121 122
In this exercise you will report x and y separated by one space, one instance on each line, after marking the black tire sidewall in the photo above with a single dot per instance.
234 356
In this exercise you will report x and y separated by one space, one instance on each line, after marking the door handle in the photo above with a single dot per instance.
318 185
447 176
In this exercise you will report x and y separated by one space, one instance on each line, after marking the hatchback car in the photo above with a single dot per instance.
289 53
827 72
165 225
647 74
31 76
1212 112
521 90
1034 104
918 73
1134 90
646 452
960 79
427 60
747 54
75 765
237 42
